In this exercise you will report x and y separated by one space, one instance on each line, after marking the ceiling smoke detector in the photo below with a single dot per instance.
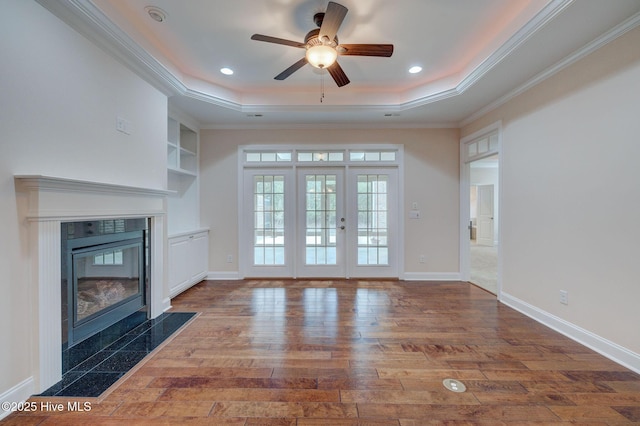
156 13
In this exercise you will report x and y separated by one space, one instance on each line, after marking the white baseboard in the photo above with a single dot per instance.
166 304
223 276
19 393
611 350
431 276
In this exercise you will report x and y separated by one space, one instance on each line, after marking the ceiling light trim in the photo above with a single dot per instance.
84 16
606 38
91 22
548 13
383 124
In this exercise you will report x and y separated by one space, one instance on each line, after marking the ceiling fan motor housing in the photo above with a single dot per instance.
313 39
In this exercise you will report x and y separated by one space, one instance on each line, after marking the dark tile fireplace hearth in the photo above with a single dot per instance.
89 376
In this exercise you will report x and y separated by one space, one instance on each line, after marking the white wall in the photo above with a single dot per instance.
59 99
431 179
571 194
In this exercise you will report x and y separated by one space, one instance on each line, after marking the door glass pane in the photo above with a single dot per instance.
320 232
268 220
373 215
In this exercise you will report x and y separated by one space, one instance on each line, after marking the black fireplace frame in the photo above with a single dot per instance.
82 239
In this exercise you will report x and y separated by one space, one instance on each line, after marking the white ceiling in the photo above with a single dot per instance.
474 53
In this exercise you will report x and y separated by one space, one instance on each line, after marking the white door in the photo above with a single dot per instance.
485 225
268 249
321 223
327 223
374 222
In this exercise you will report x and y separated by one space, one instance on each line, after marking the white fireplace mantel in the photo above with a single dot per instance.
46 202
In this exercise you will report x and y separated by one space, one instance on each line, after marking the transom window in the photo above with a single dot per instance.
274 156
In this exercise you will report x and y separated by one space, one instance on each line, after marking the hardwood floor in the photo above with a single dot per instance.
355 352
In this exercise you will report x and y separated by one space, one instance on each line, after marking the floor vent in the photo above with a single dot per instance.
454 385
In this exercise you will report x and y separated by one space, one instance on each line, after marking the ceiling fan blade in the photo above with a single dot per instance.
293 68
338 74
276 40
332 20
385 50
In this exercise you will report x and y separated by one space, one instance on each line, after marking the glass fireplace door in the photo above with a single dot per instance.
107 285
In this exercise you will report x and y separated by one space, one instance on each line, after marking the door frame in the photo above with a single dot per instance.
340 269
285 157
465 187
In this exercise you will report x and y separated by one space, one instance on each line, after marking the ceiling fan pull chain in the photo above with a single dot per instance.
321 86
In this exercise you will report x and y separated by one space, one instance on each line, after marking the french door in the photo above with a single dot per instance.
321 222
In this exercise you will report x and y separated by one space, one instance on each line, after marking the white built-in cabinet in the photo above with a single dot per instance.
188 260
188 243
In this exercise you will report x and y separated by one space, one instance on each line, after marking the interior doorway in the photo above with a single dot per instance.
483 213
480 249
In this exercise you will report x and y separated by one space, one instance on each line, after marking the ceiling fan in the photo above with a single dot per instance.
323 48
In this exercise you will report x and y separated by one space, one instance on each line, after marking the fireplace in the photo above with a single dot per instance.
45 203
104 270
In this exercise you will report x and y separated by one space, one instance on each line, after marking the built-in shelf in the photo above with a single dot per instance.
182 149
181 172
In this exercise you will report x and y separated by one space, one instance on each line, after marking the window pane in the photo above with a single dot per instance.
268 156
356 156
483 145
493 142
372 220
388 156
372 156
336 156
253 157
284 156
269 220
320 236
305 156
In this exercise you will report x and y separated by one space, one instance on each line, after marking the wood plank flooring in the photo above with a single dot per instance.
349 352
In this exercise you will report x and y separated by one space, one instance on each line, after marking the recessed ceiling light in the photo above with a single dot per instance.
156 13
414 70
226 71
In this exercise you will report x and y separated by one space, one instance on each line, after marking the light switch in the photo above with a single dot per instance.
414 214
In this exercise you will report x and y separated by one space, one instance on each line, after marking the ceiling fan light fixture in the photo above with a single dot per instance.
321 56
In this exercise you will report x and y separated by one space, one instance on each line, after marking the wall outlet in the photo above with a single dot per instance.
421 259
229 258
564 297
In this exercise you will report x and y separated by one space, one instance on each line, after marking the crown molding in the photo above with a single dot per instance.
341 126
579 54
90 21
550 11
